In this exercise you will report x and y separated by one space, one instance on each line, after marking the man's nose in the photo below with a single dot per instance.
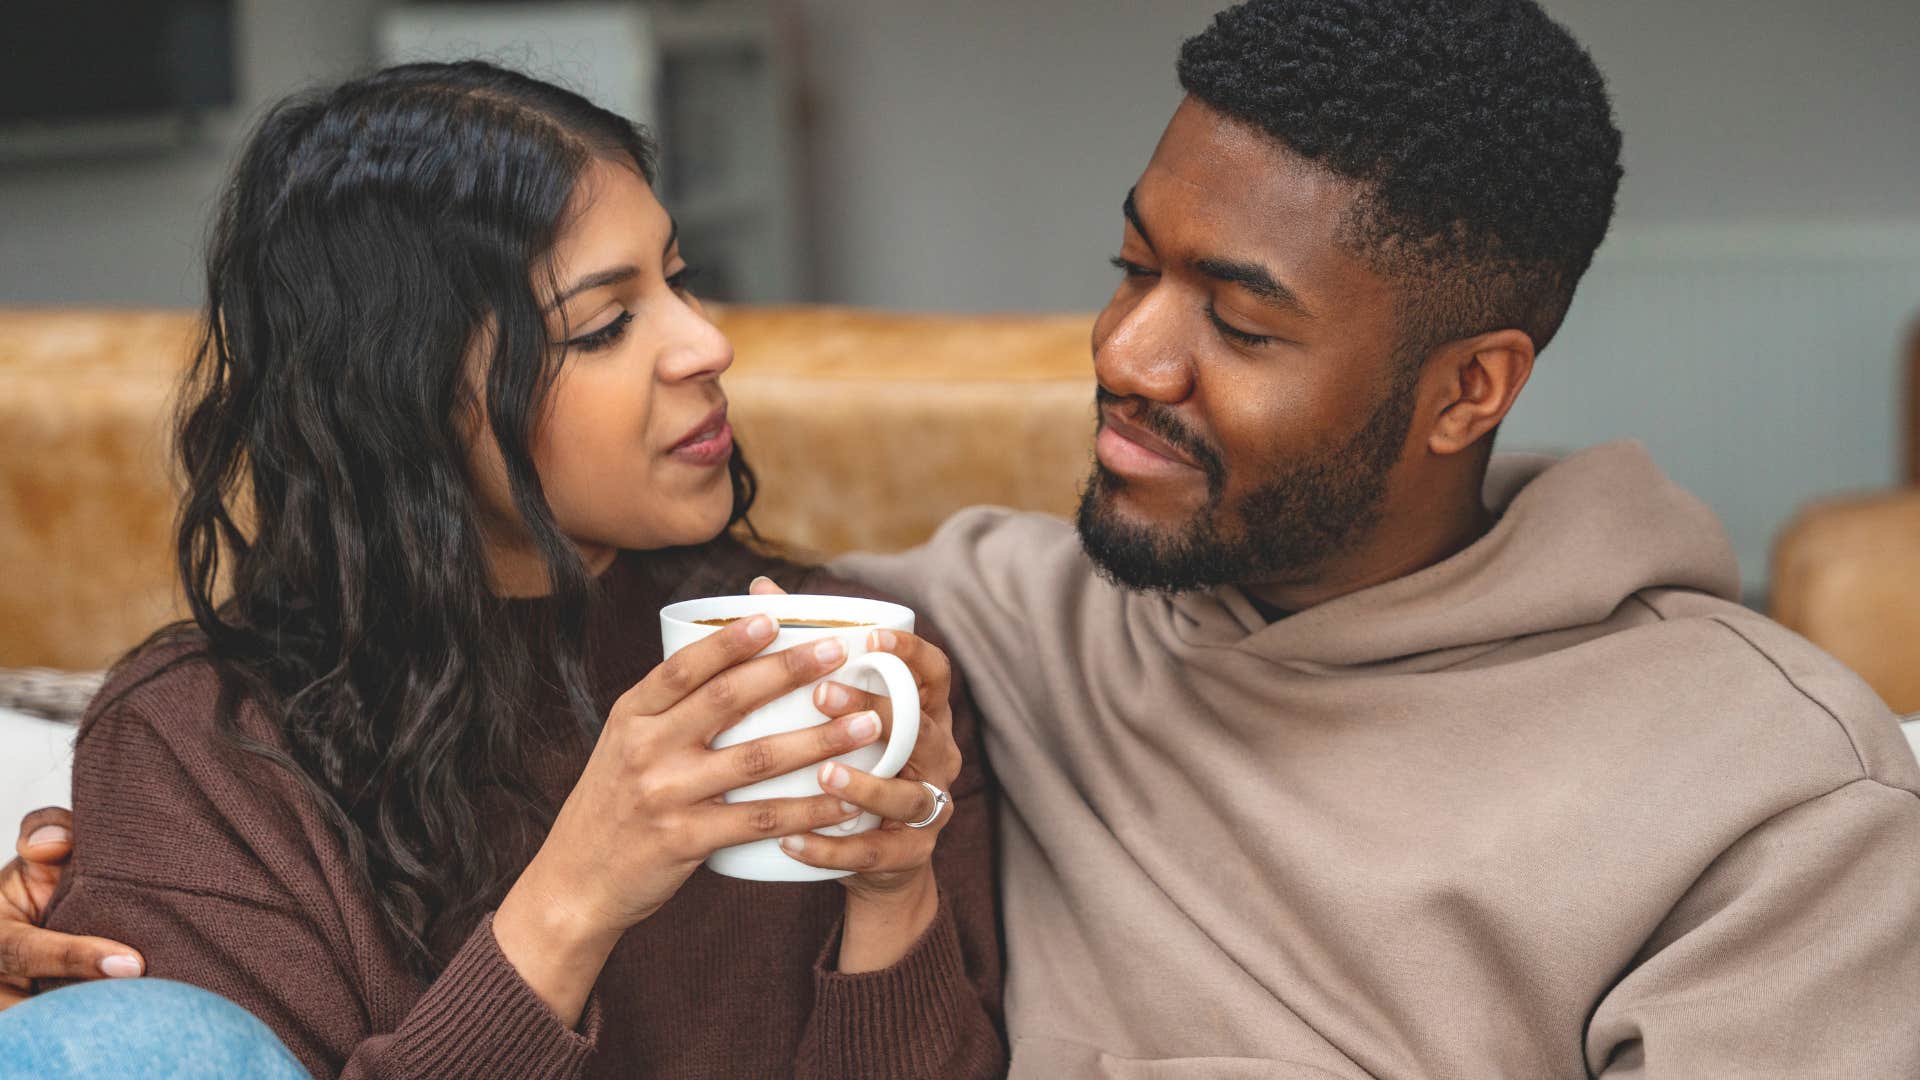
1146 354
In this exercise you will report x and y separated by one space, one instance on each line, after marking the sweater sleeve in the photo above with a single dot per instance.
1796 954
935 1013
218 894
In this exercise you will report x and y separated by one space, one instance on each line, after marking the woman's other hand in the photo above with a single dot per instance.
891 896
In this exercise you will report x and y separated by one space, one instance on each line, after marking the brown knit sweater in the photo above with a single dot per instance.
225 876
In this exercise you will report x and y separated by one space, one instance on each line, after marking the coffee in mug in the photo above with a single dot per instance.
790 624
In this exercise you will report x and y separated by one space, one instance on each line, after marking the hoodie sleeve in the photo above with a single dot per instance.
1797 954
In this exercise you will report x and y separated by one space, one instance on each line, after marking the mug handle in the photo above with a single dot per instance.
905 694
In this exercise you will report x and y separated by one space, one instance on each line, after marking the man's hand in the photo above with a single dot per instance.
28 952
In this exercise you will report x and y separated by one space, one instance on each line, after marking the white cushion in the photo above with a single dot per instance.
36 769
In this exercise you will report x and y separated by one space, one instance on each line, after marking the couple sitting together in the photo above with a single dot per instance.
1323 744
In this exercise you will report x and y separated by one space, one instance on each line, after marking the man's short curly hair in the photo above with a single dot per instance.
1479 133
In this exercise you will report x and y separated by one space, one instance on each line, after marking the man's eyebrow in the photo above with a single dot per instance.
1257 280
612 275
1133 215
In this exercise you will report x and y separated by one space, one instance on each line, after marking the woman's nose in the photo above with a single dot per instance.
696 349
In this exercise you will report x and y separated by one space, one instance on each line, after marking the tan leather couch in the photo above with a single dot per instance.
867 430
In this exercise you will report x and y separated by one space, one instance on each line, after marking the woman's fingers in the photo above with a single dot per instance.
694 667
881 851
839 699
764 586
896 799
930 666
739 690
774 755
728 824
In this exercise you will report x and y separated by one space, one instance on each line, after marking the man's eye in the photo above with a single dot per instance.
1130 268
1233 333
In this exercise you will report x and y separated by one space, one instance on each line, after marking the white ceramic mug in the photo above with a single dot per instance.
680 626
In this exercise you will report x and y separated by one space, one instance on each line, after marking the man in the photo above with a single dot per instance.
1329 750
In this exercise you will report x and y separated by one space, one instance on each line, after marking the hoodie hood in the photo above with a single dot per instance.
1575 538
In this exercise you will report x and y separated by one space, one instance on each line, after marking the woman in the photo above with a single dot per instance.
417 794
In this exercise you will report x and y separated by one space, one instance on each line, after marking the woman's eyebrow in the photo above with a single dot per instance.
614 275
598 279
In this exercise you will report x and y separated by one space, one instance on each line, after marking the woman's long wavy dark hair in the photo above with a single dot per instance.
367 234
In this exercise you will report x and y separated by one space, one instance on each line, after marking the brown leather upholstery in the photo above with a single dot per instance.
867 430
1846 574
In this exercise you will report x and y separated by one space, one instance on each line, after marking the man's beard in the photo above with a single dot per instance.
1287 528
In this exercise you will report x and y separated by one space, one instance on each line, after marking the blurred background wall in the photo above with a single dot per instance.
1742 319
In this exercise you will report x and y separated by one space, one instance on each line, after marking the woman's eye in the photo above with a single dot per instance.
1233 333
1131 269
604 336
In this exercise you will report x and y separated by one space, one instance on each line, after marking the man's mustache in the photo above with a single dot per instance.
1164 422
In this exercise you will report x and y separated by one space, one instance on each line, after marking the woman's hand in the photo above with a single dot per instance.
648 807
28 952
891 896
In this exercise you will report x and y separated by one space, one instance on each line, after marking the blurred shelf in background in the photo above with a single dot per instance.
713 80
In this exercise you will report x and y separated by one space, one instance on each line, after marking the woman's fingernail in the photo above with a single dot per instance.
830 696
833 777
884 640
794 843
50 834
829 651
849 808
120 966
759 581
759 628
864 725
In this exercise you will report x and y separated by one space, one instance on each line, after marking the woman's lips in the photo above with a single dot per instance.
711 444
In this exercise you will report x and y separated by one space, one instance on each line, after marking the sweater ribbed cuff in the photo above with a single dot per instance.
901 1022
480 1018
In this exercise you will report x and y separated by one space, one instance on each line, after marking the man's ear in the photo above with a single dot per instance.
1473 383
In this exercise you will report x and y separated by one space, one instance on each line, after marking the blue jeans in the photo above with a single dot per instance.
128 1028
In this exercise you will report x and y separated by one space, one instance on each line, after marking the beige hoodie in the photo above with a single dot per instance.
1550 808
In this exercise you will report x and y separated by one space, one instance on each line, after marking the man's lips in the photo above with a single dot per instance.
710 443
1129 449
